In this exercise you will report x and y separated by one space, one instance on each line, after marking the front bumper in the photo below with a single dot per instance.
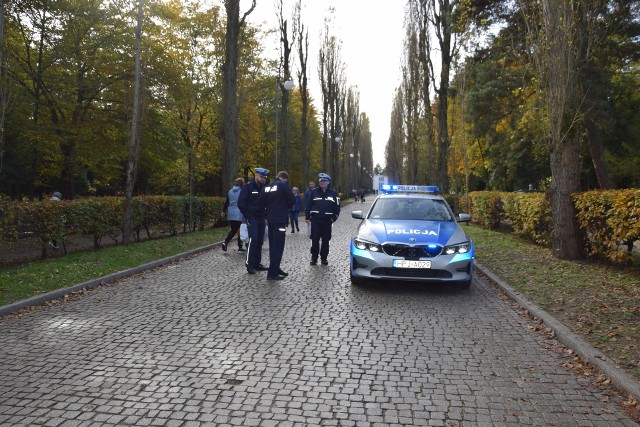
379 266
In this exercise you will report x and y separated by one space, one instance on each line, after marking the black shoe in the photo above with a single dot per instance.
275 277
251 270
261 267
293 231
282 273
314 261
242 250
297 229
224 246
324 262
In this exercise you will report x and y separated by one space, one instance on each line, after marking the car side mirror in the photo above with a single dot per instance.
357 215
463 217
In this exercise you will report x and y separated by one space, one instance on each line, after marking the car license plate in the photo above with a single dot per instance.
403 263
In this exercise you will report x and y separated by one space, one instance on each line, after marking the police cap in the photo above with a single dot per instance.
323 177
262 172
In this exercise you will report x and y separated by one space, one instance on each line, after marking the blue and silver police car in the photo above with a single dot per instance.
411 234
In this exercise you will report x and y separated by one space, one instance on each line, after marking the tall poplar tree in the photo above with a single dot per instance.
134 141
230 89
303 84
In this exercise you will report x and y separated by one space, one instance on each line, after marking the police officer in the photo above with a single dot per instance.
322 211
277 199
252 208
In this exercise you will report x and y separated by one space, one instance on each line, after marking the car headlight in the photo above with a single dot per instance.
366 246
461 248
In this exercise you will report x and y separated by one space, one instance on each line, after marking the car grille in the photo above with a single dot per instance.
412 272
411 252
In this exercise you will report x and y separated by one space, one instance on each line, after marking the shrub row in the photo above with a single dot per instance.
609 219
102 217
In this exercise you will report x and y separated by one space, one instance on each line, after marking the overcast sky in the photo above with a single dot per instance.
372 34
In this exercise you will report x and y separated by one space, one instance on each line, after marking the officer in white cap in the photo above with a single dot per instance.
322 211
252 208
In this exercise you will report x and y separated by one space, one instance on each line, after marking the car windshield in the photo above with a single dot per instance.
410 209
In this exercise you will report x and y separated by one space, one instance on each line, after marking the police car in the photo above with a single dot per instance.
411 234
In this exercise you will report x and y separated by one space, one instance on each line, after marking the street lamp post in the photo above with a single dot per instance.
287 85
355 169
337 139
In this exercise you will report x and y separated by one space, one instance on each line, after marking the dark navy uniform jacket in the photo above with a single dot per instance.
323 206
249 201
277 199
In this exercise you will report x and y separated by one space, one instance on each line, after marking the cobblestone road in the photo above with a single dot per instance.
203 343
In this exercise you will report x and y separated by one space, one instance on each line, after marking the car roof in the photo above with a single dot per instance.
399 195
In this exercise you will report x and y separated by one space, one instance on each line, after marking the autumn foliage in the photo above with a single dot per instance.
101 217
610 220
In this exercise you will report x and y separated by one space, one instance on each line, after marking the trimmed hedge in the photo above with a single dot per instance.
530 214
610 219
102 217
487 208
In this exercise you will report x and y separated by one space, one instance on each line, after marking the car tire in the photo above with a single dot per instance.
463 284
357 281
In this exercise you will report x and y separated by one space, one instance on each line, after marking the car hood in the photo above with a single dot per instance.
411 232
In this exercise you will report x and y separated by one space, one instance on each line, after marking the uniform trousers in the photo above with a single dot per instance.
255 226
320 230
277 235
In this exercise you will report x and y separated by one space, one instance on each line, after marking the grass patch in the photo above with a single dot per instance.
34 278
597 301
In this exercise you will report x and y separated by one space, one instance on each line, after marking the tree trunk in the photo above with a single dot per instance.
230 126
134 142
229 96
565 181
596 149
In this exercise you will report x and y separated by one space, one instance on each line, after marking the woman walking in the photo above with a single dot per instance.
233 214
294 212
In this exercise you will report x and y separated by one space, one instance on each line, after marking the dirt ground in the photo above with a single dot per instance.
30 249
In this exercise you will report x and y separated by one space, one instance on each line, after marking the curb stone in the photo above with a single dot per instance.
61 293
618 376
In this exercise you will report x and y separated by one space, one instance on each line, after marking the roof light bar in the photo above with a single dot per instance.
411 188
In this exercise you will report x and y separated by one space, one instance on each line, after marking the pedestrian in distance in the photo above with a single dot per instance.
307 194
294 212
322 211
252 208
278 199
232 213
55 197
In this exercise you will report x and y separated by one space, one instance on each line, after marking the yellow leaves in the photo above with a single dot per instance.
609 218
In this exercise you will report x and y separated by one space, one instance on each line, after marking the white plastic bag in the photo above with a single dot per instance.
244 233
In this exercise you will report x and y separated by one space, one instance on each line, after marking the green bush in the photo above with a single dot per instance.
98 217
102 217
530 214
487 208
611 221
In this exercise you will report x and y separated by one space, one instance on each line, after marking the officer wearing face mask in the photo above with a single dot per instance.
322 211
